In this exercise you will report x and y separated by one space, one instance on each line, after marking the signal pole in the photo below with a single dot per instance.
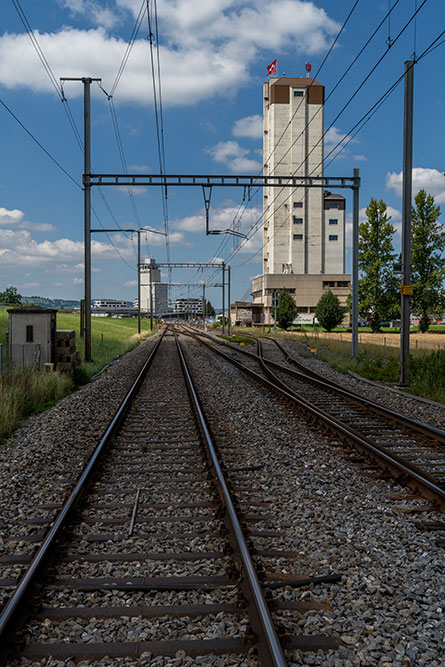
406 288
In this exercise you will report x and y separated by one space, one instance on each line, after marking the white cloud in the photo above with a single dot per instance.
234 156
77 281
15 218
219 219
88 9
250 126
431 180
359 157
30 285
18 248
130 283
333 137
207 47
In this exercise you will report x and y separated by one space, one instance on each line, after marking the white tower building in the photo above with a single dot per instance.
304 228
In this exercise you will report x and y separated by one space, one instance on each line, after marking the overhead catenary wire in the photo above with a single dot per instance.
256 226
61 94
359 124
129 47
241 210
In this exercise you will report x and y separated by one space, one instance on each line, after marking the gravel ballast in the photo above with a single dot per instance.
388 609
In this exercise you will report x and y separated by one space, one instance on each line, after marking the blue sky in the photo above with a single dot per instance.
213 59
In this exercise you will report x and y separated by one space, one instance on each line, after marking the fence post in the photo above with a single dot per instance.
1 358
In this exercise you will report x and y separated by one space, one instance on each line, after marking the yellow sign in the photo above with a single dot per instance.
407 290
314 350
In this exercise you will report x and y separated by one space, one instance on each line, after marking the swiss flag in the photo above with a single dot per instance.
272 67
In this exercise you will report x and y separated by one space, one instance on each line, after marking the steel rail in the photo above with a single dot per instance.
15 610
426 429
308 374
269 647
427 484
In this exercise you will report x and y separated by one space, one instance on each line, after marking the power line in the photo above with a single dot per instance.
51 157
129 47
255 228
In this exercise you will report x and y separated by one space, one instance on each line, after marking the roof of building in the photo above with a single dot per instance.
32 309
296 82
332 195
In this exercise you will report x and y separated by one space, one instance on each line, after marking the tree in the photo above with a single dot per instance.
428 270
378 286
287 311
328 311
11 297
210 311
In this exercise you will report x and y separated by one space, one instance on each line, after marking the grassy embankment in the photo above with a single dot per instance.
24 392
379 360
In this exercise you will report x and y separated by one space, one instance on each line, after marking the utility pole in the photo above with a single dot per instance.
139 283
274 299
223 268
204 327
87 204
229 321
151 297
406 288
355 235
138 232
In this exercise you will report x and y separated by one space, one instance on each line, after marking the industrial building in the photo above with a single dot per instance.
304 228
152 289
191 306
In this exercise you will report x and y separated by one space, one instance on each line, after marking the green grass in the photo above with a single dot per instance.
27 391
375 362
238 339
119 336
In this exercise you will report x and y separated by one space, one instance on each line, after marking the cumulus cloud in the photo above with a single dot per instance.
219 219
207 48
250 126
16 218
234 157
19 248
103 16
431 180
333 137
30 285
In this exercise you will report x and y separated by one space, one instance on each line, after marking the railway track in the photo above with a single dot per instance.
164 527
412 451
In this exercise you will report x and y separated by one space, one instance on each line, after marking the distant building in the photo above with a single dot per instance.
304 228
150 277
184 306
110 304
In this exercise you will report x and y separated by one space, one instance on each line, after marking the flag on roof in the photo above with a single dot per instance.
272 67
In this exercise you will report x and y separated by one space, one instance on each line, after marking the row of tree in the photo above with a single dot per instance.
379 284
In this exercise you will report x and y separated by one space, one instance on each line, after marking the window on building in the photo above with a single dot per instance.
333 221
29 333
302 309
328 283
333 205
333 237
312 309
298 221
298 237
298 93
342 283
298 204
291 290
